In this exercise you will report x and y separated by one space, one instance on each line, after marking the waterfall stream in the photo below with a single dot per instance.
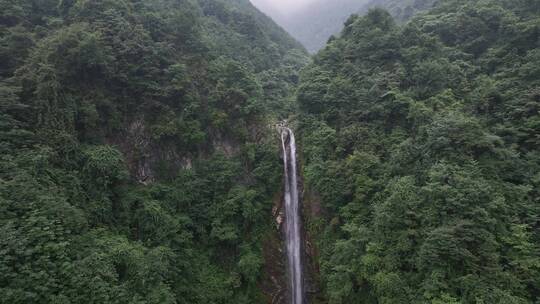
292 217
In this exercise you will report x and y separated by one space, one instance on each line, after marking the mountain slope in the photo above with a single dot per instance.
421 141
136 163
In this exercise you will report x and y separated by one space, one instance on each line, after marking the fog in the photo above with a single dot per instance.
284 7
311 22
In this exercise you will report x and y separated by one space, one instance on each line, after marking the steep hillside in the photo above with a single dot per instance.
422 143
136 165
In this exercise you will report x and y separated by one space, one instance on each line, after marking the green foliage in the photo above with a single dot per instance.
95 95
104 165
419 139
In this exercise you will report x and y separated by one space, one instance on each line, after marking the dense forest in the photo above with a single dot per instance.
135 160
139 161
422 143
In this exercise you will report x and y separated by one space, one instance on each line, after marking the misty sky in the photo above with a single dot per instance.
281 6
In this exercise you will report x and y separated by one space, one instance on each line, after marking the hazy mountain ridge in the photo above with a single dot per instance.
313 24
402 10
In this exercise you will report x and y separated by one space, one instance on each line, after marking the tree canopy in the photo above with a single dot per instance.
136 165
421 140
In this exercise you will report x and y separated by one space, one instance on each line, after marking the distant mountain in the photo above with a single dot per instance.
315 23
402 10
312 24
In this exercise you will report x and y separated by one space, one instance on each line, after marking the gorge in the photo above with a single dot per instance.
140 162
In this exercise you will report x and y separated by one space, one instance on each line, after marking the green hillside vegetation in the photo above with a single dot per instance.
98 98
422 142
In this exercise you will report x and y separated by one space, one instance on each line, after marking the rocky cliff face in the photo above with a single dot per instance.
274 283
146 158
149 159
312 210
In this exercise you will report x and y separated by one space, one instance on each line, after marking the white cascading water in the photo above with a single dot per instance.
292 216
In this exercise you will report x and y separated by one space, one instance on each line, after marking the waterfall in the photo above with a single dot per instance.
292 217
